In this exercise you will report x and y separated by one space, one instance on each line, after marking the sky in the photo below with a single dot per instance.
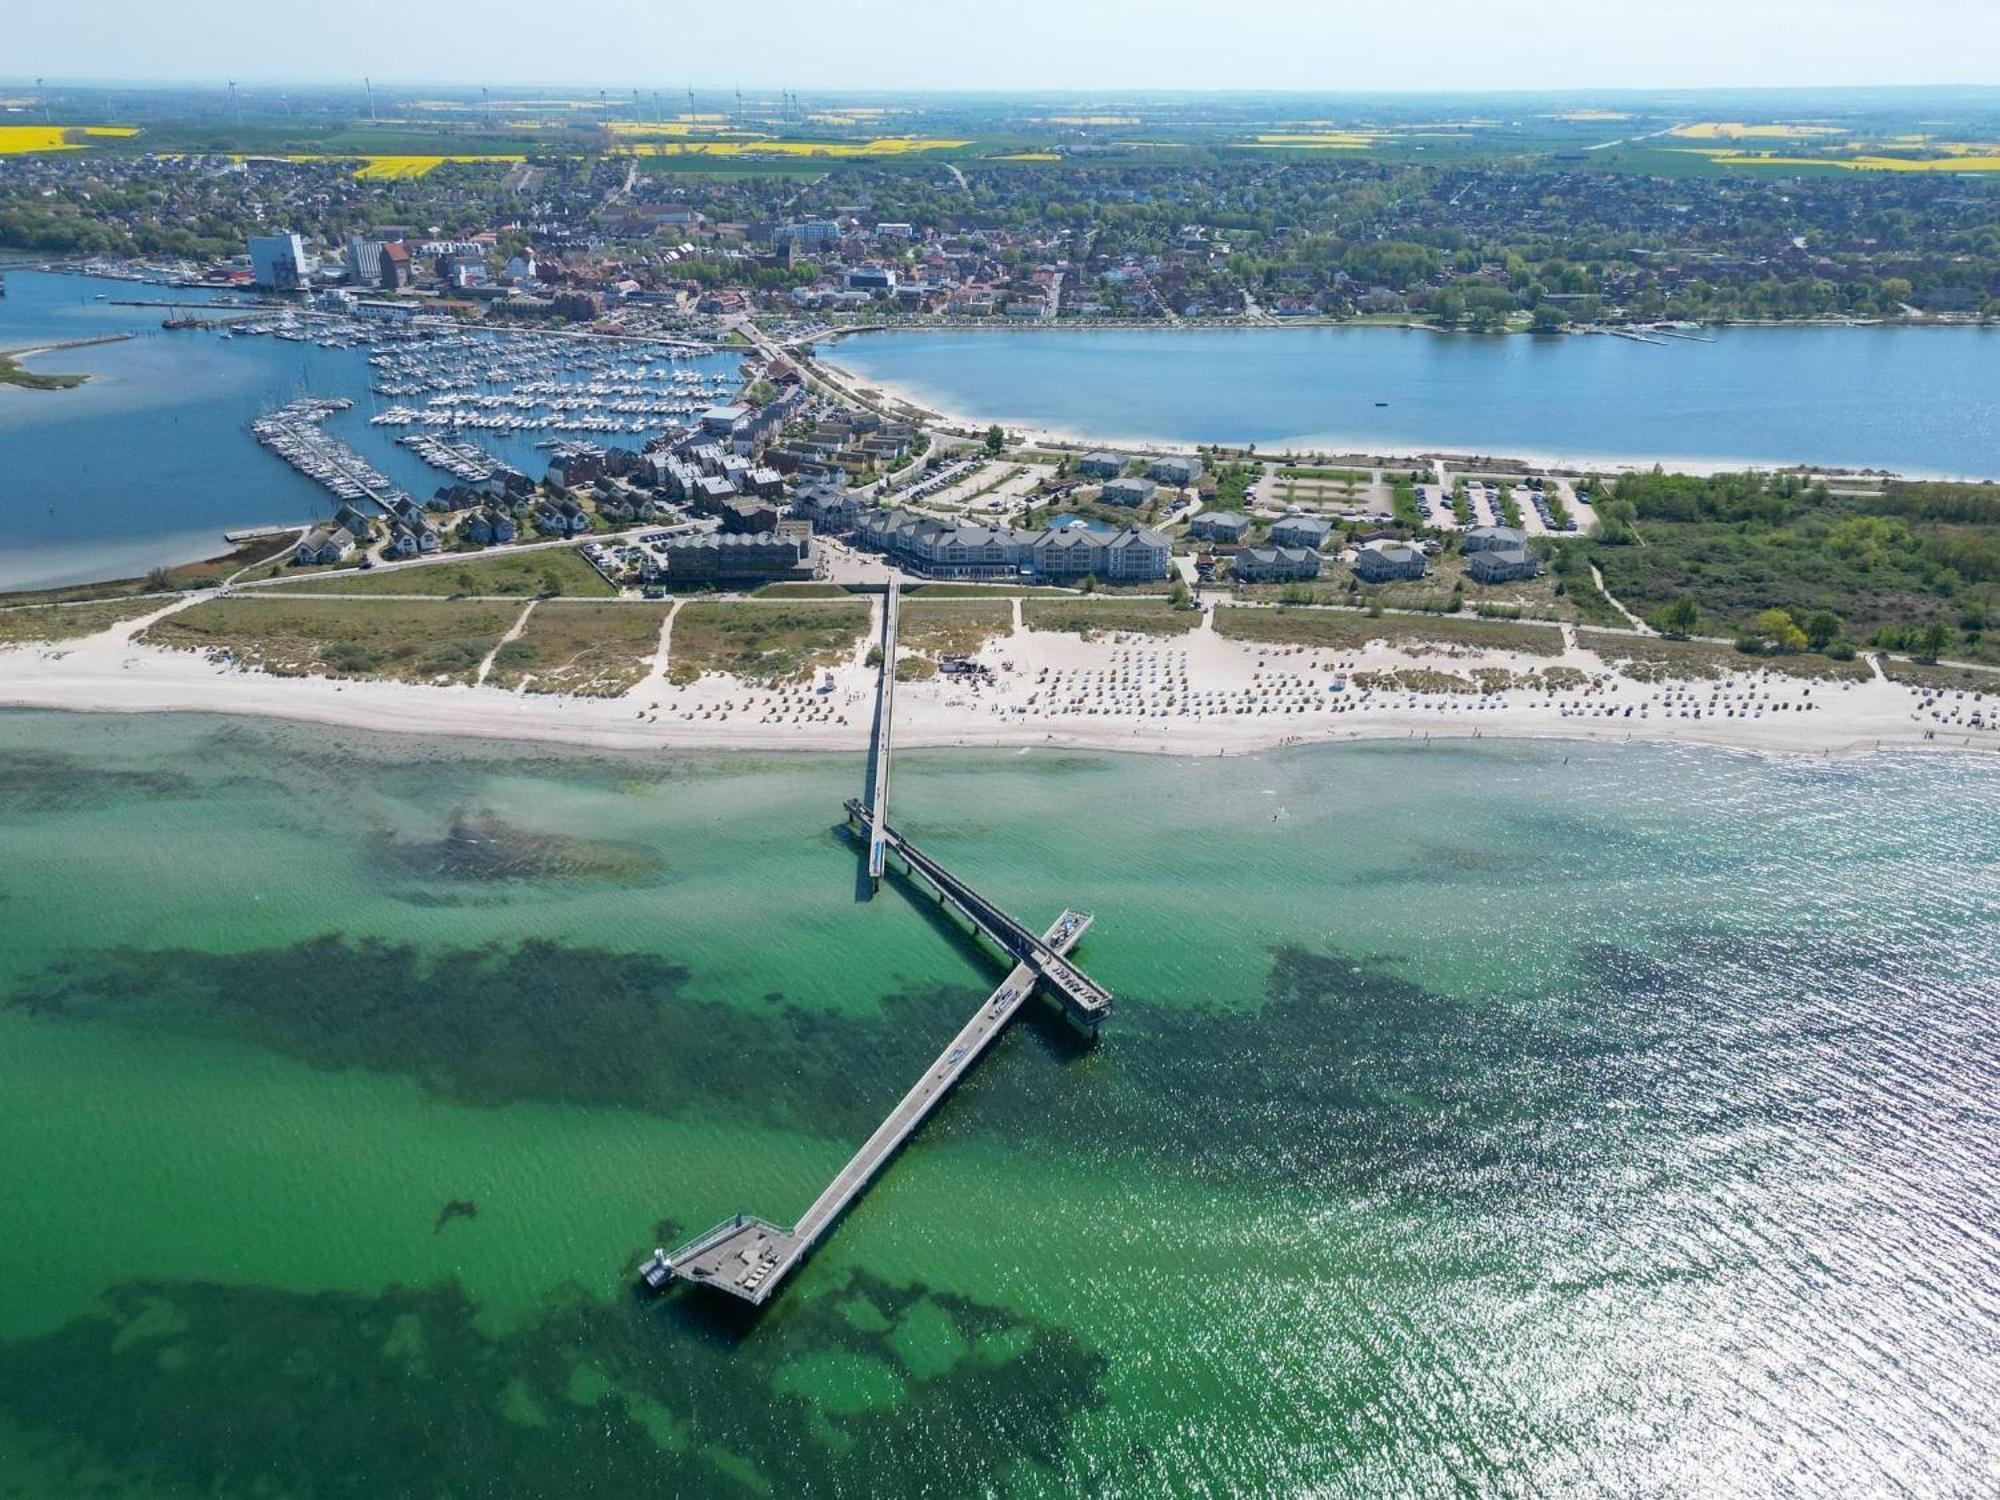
1332 46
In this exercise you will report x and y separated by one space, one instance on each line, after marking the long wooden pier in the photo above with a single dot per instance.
748 1257
885 727
1084 1000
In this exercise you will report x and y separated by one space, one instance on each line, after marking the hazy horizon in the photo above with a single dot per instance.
1035 46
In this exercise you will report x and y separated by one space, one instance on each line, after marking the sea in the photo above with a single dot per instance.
1918 401
1475 1118
152 460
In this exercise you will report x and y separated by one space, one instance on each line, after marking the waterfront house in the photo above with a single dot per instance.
1101 465
1301 531
402 542
322 545
1388 562
349 519
476 528
1175 470
1220 526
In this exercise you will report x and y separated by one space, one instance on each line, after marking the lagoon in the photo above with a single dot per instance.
1921 401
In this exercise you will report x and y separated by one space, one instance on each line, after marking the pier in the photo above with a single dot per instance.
885 717
749 1257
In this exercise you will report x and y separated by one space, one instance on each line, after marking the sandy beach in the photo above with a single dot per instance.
1194 694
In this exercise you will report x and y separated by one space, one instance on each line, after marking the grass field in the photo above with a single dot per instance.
952 627
764 643
1351 629
492 572
68 622
398 640
1087 618
593 650
12 372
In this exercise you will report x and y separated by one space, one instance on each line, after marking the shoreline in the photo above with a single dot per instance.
1050 690
1042 435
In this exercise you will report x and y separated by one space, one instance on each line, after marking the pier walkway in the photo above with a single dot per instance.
1085 1000
885 725
748 1257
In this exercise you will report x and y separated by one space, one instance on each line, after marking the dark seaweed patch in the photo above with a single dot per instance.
41 781
479 845
237 1391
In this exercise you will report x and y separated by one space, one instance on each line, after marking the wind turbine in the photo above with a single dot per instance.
369 84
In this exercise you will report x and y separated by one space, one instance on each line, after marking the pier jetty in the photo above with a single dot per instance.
749 1257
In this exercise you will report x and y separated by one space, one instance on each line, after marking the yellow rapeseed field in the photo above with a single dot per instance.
1865 163
399 168
18 140
898 145
1736 130
1322 140
1029 156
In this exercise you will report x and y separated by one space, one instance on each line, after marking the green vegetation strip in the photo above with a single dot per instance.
1651 658
768 643
12 373
1346 628
391 639
952 627
548 570
68 622
1086 618
593 650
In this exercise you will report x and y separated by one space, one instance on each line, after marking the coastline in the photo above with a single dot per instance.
1275 696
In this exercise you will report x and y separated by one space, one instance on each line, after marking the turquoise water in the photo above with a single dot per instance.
1916 400
152 460
1514 1119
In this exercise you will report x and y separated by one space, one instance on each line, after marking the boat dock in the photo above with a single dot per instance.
749 1257
885 718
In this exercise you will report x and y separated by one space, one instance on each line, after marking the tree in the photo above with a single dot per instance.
551 584
1778 630
995 439
1678 618
1822 629
1932 641
1179 596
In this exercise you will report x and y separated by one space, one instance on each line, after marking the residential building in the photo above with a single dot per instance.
1127 491
1101 465
1387 562
1500 564
322 545
1220 526
1174 470
1486 538
1301 531
1276 564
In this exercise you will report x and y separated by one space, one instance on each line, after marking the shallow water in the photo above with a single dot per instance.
1517 1118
